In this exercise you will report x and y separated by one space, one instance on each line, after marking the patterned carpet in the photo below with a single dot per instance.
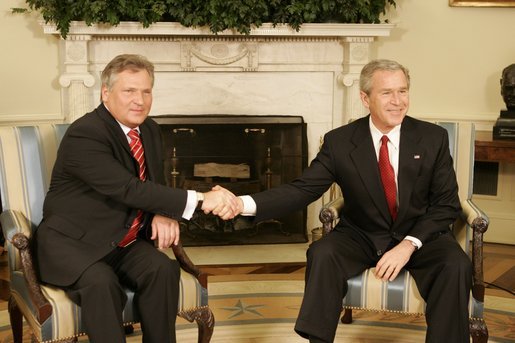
262 309
260 304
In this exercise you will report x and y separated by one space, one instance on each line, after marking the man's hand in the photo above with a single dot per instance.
221 202
392 261
165 230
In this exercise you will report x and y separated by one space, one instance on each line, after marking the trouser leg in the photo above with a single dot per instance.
443 273
331 261
155 279
101 299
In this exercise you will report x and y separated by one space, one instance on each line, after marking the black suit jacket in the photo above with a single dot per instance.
427 187
95 193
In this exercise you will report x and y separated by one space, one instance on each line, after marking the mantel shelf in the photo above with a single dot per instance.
265 30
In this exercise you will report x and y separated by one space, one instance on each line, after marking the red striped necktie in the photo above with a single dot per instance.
139 155
388 177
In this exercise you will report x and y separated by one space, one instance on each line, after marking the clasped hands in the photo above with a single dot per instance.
221 202
218 201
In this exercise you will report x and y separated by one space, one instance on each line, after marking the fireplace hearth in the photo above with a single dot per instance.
245 154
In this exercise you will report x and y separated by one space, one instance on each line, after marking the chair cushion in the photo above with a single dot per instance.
401 295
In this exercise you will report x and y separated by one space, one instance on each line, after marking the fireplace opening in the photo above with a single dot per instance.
245 154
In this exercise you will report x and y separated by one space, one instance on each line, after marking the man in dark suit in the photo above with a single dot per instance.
107 201
394 219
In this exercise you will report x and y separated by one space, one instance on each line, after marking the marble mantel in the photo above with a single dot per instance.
312 72
339 49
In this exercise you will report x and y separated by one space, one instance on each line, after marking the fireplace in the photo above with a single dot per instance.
245 154
275 70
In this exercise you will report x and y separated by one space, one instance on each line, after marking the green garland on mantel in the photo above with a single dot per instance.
219 15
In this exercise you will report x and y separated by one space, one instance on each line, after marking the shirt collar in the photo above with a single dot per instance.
125 129
394 135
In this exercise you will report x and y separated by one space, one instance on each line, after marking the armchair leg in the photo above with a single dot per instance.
16 319
478 330
205 321
347 316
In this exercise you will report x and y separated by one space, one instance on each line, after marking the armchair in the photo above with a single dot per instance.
27 154
401 295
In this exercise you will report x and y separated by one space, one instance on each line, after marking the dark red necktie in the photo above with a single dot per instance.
139 155
388 177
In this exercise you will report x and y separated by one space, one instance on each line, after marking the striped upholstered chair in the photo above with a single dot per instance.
365 292
27 155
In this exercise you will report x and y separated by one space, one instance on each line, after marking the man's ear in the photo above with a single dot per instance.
364 98
104 92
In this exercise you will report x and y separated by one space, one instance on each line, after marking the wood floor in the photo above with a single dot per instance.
499 271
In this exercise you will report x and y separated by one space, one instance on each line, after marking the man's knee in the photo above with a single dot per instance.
161 266
463 265
163 263
98 281
321 250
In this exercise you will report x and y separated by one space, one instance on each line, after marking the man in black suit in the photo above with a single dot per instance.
107 201
406 226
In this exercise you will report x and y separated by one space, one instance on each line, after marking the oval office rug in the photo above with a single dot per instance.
263 308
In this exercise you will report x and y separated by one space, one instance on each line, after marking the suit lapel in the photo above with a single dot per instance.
115 128
150 151
124 143
365 161
410 159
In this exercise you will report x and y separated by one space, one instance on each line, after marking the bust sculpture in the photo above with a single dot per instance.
508 87
504 127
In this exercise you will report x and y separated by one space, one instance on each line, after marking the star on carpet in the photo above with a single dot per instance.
240 308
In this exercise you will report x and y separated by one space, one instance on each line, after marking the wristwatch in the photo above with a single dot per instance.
200 200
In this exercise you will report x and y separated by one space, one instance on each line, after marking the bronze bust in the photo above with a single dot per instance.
508 87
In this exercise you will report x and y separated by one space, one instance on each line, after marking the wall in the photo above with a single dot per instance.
455 55
28 67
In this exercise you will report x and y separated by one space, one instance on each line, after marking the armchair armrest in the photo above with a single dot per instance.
329 213
478 222
14 223
187 264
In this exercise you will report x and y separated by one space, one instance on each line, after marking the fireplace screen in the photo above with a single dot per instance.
245 154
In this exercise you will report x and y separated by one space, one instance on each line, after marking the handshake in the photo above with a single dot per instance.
223 203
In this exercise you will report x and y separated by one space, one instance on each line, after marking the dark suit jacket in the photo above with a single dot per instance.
95 193
428 191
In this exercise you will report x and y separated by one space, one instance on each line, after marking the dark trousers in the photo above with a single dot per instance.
441 270
150 273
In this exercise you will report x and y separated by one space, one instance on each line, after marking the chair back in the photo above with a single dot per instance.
27 156
461 146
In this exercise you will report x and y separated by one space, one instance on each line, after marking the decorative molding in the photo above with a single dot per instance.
219 54
265 30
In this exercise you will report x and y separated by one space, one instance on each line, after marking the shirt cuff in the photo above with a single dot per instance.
249 206
417 241
191 205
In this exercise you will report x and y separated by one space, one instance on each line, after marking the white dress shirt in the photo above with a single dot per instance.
394 138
